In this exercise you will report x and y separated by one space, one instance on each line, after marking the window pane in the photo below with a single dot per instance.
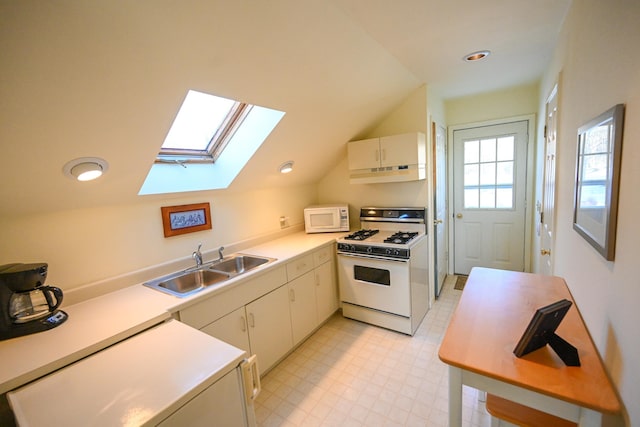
197 121
471 175
504 198
594 167
488 198
504 173
488 150
592 196
597 140
471 151
506 147
471 198
488 174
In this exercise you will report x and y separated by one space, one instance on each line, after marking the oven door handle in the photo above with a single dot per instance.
377 258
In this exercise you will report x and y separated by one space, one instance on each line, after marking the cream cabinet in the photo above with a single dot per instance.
232 329
302 298
326 291
270 327
388 159
221 401
274 312
262 327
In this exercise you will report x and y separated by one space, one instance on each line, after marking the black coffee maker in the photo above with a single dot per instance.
26 305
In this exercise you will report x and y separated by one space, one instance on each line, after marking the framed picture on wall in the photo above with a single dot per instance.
185 218
595 207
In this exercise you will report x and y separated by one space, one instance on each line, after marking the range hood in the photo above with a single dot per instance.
395 158
400 173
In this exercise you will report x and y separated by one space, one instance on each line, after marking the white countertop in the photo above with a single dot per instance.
100 322
123 384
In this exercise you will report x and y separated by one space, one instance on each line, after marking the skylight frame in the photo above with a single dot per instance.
221 137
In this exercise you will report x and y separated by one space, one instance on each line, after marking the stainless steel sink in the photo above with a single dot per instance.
186 283
238 264
193 280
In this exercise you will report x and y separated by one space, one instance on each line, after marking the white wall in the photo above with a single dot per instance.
84 246
511 102
410 116
599 66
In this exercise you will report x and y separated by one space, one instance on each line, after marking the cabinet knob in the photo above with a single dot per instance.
459 215
544 252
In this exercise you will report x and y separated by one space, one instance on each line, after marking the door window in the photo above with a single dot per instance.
489 173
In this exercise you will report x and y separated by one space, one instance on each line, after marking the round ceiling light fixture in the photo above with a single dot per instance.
286 167
477 56
85 168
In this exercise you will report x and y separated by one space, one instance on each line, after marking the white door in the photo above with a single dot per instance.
440 204
547 216
489 174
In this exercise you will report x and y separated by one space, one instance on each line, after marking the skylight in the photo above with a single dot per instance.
202 128
208 144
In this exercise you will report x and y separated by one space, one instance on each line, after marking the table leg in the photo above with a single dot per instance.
455 397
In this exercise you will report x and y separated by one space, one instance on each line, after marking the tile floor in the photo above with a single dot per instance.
352 374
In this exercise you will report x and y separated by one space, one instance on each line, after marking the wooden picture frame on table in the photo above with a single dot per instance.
595 205
184 219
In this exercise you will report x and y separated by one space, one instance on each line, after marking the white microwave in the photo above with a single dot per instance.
326 218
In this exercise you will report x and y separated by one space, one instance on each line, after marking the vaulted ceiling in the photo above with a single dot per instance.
105 78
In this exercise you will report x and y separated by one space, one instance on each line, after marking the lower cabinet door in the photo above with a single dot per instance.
302 295
326 291
270 327
231 329
221 404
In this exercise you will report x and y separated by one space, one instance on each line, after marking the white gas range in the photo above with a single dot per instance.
383 269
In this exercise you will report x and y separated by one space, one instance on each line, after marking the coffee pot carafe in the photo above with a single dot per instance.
27 306
30 305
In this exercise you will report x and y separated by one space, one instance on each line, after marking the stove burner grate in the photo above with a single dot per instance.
361 235
401 237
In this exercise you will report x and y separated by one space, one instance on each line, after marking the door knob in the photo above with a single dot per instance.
459 215
545 252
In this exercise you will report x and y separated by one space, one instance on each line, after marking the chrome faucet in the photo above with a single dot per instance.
220 253
197 256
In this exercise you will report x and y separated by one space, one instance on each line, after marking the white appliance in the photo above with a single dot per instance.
384 269
169 375
326 218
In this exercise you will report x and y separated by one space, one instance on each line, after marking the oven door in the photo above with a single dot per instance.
377 283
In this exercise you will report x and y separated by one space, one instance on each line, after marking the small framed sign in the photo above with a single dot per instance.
185 219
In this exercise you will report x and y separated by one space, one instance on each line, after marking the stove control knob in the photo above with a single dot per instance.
369 249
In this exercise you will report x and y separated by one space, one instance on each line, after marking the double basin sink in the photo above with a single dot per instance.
195 279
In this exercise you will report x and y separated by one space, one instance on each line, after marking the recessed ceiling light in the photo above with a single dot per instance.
477 56
286 167
85 168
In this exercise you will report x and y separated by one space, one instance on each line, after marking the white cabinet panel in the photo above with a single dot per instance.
231 329
270 327
302 295
364 154
326 291
405 149
220 404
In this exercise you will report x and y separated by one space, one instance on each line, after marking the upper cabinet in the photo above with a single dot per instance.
393 158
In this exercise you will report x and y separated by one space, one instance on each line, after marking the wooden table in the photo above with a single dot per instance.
493 312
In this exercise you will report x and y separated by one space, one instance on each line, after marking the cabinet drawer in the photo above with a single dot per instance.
299 267
323 255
